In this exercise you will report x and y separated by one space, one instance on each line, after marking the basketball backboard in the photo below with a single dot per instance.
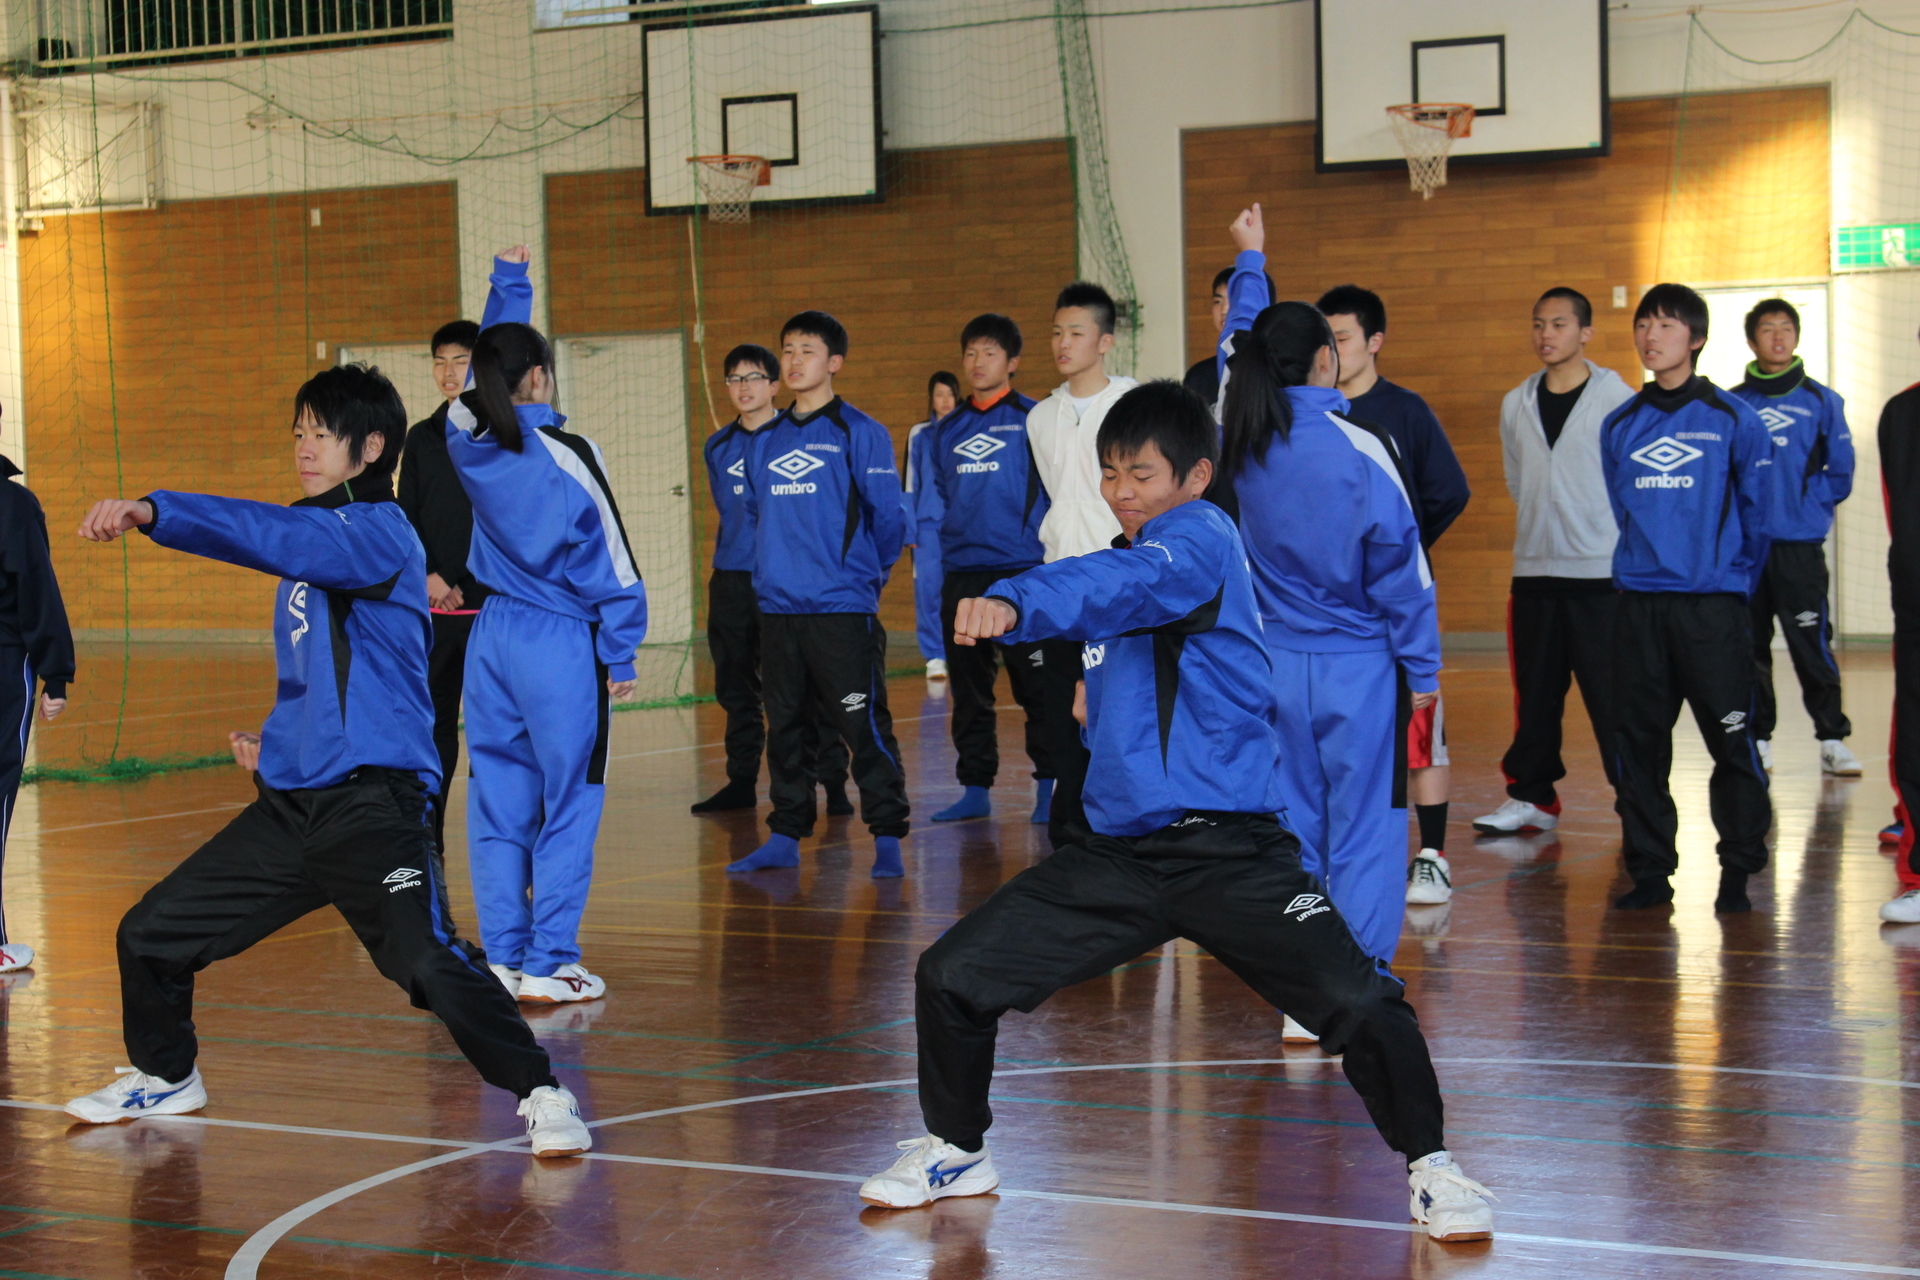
800 89
1535 72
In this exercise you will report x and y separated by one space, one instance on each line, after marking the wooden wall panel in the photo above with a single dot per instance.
163 349
962 231
1710 189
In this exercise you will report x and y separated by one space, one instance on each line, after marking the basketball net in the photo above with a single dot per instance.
726 184
1426 131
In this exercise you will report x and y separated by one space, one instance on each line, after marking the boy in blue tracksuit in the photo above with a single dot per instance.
547 538
990 491
824 497
1181 838
924 514
1812 473
1686 470
733 615
346 776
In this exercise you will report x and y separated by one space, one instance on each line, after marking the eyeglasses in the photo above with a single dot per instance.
746 379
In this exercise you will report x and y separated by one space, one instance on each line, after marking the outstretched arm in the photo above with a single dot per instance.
327 548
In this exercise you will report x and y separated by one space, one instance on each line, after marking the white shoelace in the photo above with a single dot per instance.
1451 1174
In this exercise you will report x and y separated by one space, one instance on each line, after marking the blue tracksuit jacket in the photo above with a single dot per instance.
989 488
1334 544
1812 470
350 625
920 495
1685 472
726 456
1180 705
824 497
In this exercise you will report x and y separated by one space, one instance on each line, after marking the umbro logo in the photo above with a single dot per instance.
1734 720
297 606
854 701
1665 454
404 878
794 464
1092 656
1038 658
1776 420
738 469
1807 619
1306 905
978 446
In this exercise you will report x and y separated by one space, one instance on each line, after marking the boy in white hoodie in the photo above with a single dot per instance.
1062 430
1560 618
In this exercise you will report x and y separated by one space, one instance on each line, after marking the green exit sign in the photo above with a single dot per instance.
1882 246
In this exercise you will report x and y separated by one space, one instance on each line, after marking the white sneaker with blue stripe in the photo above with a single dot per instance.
1452 1206
137 1094
931 1169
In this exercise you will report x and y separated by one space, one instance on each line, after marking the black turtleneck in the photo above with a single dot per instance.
1694 388
1775 384
362 488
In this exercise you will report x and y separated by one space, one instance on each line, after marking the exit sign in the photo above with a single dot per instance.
1885 246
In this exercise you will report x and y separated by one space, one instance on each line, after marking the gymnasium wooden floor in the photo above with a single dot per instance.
1650 1094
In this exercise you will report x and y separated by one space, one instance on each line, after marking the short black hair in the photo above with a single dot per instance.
1166 415
1089 297
353 401
1003 331
1363 305
1771 307
754 354
455 333
1582 309
1225 274
818 324
1676 302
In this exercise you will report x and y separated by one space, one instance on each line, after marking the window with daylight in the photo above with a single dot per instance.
79 34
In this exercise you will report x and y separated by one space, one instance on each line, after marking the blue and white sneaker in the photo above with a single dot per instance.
554 1125
137 1094
1452 1206
931 1169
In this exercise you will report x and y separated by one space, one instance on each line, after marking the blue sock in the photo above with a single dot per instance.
1042 801
778 851
974 804
886 858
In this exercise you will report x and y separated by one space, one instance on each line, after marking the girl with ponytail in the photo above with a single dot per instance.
552 647
1345 594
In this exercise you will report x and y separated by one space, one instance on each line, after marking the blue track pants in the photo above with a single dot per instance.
1338 757
536 707
928 573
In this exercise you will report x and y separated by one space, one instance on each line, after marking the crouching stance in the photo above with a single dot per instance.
347 772
1180 839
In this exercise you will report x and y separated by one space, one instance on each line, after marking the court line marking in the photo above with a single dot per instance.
245 1263
151 817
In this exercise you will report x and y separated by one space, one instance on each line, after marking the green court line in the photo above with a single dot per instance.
32 1275
32 1226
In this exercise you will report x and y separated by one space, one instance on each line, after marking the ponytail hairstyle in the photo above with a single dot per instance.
502 358
1277 353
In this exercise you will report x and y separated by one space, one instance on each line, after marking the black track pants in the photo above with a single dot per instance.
1554 638
1066 751
733 638
16 719
1230 882
1671 647
446 678
366 847
1904 756
1793 589
829 667
971 670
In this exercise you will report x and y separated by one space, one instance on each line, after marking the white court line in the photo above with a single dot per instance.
151 817
245 1263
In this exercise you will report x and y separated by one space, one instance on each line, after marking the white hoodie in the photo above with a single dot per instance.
1566 527
1063 442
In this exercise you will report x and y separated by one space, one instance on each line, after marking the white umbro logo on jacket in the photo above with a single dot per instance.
404 878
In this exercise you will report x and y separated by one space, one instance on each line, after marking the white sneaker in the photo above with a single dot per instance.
554 1123
1292 1032
1451 1205
1838 759
137 1094
1764 749
15 955
1515 816
1429 878
569 982
509 978
931 1169
936 668
1904 909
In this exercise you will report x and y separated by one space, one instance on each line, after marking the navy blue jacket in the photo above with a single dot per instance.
989 488
1684 473
726 456
350 625
1812 470
1180 701
824 497
1440 490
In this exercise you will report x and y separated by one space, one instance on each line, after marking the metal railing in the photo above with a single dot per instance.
78 35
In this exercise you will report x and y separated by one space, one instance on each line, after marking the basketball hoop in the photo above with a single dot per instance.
1426 131
726 184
